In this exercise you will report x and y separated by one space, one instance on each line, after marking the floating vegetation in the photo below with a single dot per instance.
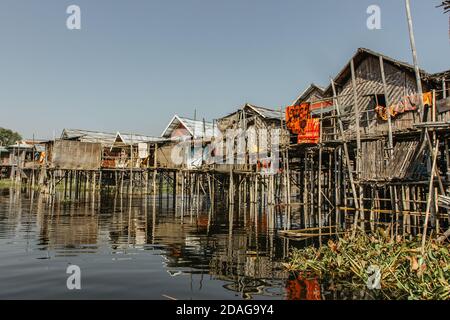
404 272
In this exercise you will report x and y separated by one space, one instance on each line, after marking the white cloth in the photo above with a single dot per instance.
143 151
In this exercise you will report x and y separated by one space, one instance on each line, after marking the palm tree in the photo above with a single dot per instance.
446 5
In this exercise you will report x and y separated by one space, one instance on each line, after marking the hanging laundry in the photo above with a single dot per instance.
428 99
296 117
381 111
142 150
41 157
312 132
407 103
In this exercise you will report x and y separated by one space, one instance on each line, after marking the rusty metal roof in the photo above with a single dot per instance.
265 112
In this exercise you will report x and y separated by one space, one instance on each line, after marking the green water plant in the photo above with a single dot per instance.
404 272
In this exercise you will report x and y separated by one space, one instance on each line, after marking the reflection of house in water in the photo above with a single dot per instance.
247 260
69 227
184 244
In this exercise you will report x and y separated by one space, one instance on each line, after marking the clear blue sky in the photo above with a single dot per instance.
136 63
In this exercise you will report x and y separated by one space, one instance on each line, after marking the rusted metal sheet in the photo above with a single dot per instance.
75 155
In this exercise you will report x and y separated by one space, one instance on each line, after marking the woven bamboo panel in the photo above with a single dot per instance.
75 155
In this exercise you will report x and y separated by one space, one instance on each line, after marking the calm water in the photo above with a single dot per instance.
136 249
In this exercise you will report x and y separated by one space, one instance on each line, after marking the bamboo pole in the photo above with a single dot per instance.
444 89
415 60
131 166
430 192
346 153
358 147
388 103
319 204
155 164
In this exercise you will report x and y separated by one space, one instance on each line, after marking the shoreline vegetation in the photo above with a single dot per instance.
405 273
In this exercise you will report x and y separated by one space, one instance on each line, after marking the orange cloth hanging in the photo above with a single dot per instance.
428 99
407 103
296 117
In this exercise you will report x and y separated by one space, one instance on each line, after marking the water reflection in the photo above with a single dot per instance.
140 247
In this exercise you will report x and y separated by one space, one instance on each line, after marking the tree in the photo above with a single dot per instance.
446 5
8 137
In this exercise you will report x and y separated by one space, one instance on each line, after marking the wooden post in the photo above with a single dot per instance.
346 153
358 148
415 60
155 164
388 103
175 189
337 188
65 184
131 165
122 173
100 178
447 158
430 193
444 89
231 188
182 193
319 204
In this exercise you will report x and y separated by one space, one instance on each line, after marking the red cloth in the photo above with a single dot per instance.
312 132
302 288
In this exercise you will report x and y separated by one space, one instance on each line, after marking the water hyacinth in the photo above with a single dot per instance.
405 273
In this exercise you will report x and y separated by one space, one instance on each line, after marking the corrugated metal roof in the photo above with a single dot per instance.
265 112
88 136
136 138
196 128
20 146
37 147
105 138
